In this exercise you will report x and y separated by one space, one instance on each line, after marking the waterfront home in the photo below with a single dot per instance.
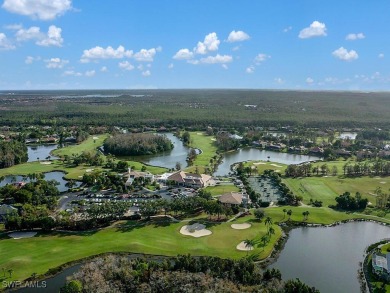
182 178
131 175
381 265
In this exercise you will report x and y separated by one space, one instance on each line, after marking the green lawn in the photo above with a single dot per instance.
89 144
327 188
152 169
260 166
27 256
221 189
206 143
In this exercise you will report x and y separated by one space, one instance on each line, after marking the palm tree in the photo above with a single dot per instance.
284 213
268 221
249 243
264 239
305 215
271 231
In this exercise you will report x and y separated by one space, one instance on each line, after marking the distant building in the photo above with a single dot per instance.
381 265
190 179
131 175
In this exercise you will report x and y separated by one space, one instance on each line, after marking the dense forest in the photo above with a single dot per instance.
181 274
137 144
195 108
12 153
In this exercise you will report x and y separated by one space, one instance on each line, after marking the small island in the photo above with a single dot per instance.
136 144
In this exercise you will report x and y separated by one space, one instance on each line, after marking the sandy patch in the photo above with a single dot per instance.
241 246
383 182
259 163
45 163
20 235
277 170
95 137
377 178
213 139
199 133
241 226
89 170
275 165
195 230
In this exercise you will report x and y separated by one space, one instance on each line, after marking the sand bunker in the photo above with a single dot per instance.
45 163
241 246
213 139
241 226
275 165
259 163
382 182
89 170
195 230
20 235
95 137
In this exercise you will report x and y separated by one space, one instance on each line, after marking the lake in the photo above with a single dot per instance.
56 175
40 152
253 154
328 257
167 159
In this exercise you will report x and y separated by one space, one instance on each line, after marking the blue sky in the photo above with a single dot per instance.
308 45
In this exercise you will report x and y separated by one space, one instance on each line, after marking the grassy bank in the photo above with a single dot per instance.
206 144
90 144
221 189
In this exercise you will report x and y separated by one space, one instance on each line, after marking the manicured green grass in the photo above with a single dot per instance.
27 256
152 169
89 144
327 188
260 166
221 189
206 143
386 248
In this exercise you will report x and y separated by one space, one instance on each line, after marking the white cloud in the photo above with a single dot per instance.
236 48
381 55
194 62
90 73
210 43
224 66
287 29
145 55
183 54
250 69
343 54
140 67
126 65
353 37
105 53
261 58
309 80
238 36
52 38
104 69
30 59
146 73
279 80
56 63
14 27
38 9
170 66
316 29
217 59
5 44
72 73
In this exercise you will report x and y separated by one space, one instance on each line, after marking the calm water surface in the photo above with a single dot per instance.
328 258
40 152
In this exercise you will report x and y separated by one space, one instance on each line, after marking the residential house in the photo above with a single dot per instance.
381 265
232 199
131 175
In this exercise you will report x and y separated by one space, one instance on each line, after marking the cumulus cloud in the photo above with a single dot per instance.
345 55
183 54
52 38
287 29
105 53
353 37
145 55
210 43
261 58
217 59
126 65
250 69
194 62
56 63
38 9
238 36
309 80
30 59
15 26
316 29
104 69
381 55
90 73
5 43
72 73
146 73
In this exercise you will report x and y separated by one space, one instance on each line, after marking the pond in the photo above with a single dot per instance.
253 154
350 135
40 152
328 257
56 175
167 159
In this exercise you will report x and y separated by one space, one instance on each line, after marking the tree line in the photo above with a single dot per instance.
12 153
